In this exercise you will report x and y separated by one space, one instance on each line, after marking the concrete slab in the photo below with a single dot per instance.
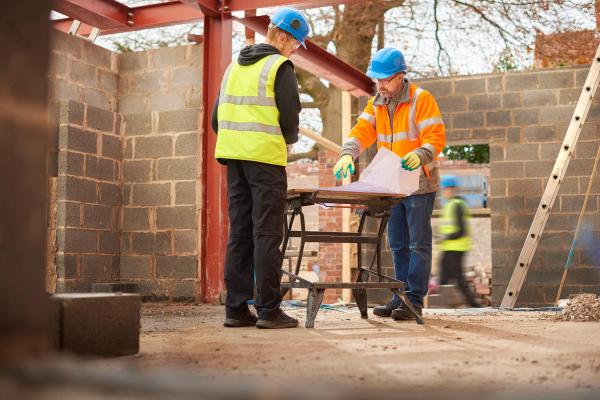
99 324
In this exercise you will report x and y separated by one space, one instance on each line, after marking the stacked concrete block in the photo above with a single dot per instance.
159 102
82 72
88 196
99 324
83 91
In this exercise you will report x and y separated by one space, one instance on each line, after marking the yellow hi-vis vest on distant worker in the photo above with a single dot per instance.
248 115
449 225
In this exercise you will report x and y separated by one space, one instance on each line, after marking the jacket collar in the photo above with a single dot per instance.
401 97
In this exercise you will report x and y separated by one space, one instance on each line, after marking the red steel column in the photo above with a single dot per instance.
214 221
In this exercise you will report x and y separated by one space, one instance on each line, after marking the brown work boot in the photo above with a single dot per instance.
402 313
278 321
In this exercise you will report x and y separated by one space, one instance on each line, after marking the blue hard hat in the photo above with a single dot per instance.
293 22
385 63
449 181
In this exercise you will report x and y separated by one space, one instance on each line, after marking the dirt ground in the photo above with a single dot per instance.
456 349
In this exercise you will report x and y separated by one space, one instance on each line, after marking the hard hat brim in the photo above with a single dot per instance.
381 75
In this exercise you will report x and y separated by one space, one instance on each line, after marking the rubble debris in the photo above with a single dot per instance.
581 307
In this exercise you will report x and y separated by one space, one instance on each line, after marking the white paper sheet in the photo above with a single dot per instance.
384 175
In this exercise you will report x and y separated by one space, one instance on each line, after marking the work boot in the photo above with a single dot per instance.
239 319
402 313
386 310
278 321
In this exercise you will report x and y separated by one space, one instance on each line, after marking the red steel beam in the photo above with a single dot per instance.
243 5
213 218
320 62
210 7
103 14
144 17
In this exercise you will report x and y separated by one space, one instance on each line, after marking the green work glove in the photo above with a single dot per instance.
342 167
411 161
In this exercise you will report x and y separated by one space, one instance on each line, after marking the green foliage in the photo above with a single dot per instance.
473 153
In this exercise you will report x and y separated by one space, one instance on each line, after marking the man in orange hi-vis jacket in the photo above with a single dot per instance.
406 120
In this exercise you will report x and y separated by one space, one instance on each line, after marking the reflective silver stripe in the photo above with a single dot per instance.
400 136
248 100
224 82
264 75
413 130
383 138
431 148
368 117
261 99
396 137
250 126
430 121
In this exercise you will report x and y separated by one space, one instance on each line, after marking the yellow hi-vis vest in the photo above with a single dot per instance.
248 115
449 225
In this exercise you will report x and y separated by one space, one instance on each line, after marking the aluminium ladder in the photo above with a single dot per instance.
558 172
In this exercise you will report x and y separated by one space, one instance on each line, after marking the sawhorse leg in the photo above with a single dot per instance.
409 305
360 295
314 300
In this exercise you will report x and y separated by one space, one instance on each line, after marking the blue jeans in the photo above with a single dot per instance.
409 234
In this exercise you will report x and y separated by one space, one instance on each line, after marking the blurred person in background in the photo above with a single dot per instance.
455 238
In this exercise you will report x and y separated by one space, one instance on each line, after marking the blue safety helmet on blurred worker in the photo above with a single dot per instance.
449 181
293 22
385 63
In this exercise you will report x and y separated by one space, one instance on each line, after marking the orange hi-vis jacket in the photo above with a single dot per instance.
417 126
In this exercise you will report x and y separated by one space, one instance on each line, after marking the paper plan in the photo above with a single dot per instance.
384 175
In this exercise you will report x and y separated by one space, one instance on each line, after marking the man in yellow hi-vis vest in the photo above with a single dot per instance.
455 238
256 116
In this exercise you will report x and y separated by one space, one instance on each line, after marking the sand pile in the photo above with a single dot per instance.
581 307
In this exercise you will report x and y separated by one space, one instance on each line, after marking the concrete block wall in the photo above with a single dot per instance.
160 104
88 196
82 72
127 154
83 97
523 116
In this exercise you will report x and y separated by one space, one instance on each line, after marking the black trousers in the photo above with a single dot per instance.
256 193
452 270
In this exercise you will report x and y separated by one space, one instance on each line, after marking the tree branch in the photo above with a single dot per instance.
312 154
313 87
309 104
438 40
506 35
